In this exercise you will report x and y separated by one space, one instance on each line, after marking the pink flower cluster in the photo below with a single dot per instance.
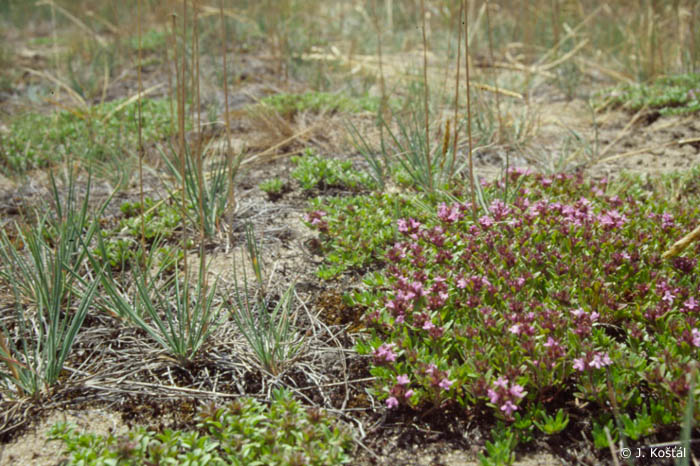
499 210
691 305
595 360
553 353
399 391
611 219
449 214
584 321
516 172
506 395
522 321
385 353
407 293
439 378
409 227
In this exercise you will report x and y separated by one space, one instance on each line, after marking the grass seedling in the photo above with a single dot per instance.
270 333
429 173
206 194
378 167
179 320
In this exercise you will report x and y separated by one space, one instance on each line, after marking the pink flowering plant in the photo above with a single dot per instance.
551 302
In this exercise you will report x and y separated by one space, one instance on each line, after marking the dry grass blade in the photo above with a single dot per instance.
682 243
564 58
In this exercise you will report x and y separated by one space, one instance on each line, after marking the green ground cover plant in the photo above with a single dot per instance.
151 41
355 231
244 432
98 132
555 300
669 95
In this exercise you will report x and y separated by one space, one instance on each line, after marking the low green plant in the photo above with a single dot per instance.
160 219
551 425
500 450
638 426
315 172
243 432
273 187
120 253
601 430
122 244
268 327
95 133
151 41
670 95
41 265
355 231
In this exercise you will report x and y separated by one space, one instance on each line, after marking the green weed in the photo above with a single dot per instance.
273 188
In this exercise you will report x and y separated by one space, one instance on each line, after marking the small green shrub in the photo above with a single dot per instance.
244 432
356 231
122 244
151 41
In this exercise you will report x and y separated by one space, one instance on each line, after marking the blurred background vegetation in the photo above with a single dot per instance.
71 55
